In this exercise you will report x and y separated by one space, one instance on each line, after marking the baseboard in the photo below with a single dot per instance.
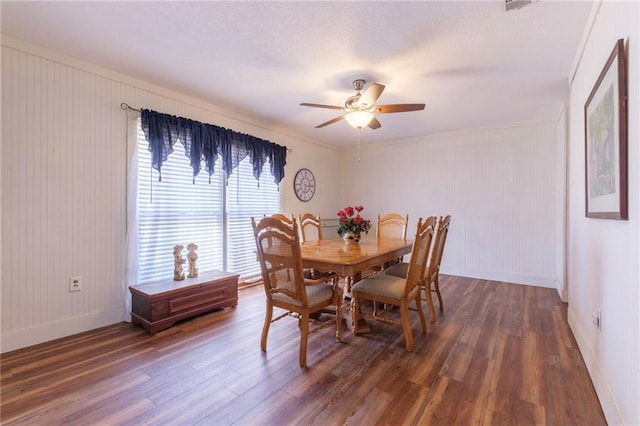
562 291
32 336
609 407
501 276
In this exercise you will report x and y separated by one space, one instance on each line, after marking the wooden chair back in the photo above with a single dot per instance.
442 230
283 218
419 253
310 227
392 225
278 247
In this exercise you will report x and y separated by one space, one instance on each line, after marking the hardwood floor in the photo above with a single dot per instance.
501 354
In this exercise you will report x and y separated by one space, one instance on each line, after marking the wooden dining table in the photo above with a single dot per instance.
349 260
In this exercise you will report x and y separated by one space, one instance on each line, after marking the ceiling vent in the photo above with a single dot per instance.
515 4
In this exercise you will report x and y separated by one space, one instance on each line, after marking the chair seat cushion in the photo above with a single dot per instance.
316 294
398 270
381 285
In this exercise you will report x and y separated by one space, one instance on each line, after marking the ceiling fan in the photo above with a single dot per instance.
360 109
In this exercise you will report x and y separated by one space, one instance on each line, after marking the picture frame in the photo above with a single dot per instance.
605 128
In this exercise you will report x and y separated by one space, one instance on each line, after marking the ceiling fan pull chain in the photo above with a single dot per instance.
358 144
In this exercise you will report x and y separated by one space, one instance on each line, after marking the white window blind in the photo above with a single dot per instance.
215 216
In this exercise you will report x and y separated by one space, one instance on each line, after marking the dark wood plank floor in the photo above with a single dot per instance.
501 354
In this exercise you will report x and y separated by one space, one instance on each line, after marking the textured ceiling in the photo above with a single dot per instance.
471 63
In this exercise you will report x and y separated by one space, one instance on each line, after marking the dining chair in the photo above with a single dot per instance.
311 230
430 282
310 227
391 290
392 225
286 288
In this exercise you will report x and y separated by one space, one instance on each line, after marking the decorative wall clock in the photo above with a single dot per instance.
304 185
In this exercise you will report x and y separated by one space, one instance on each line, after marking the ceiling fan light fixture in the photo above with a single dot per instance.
359 119
359 109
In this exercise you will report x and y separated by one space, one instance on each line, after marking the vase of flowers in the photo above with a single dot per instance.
351 237
351 224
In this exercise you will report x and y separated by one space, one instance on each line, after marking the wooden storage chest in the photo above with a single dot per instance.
160 304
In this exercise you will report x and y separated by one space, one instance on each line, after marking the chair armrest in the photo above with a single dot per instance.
321 280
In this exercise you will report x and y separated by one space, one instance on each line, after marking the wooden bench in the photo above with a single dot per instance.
158 305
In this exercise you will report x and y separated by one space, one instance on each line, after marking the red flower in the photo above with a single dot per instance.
349 211
350 223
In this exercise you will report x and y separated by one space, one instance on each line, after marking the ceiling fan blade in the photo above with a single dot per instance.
333 120
385 109
321 106
371 95
374 124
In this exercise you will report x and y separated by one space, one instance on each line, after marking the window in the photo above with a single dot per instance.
215 216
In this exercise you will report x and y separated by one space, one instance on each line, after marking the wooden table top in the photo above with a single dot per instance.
334 255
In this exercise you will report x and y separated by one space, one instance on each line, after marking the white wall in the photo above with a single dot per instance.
499 184
603 255
64 181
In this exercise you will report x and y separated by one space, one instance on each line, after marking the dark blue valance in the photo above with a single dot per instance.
207 142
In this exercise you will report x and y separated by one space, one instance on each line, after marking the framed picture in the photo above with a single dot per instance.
605 128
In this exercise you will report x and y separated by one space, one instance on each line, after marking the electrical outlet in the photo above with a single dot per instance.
75 284
596 319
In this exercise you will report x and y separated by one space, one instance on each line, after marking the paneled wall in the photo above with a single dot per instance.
603 268
64 167
62 196
498 184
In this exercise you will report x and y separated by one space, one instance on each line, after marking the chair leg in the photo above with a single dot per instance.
339 318
304 337
406 325
423 322
427 290
436 284
265 327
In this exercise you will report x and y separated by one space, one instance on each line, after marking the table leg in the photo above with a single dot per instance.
347 313
349 282
363 325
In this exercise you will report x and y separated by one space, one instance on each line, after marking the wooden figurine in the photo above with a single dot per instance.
178 275
192 256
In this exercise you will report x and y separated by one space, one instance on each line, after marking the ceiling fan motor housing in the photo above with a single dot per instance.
359 84
352 101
